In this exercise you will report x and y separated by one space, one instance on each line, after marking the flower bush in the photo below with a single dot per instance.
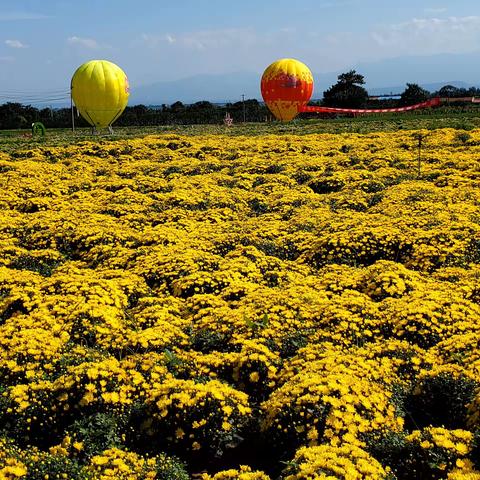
302 306
327 462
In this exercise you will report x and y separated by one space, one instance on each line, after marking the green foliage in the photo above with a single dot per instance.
282 442
475 453
206 341
408 459
292 343
460 118
450 91
97 432
43 266
53 467
170 468
462 137
440 400
347 92
413 94
16 115
326 184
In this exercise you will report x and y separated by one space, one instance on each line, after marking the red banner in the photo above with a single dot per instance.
433 102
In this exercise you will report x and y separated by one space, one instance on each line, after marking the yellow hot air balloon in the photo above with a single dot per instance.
100 91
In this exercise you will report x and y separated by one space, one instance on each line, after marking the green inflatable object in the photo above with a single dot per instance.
38 128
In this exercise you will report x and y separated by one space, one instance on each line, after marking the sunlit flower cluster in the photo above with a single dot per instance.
279 306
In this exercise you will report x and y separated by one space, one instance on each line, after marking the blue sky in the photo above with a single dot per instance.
43 42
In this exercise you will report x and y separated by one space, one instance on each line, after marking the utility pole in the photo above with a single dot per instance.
73 115
244 111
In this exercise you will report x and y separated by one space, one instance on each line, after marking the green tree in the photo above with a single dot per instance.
347 92
448 91
177 107
413 94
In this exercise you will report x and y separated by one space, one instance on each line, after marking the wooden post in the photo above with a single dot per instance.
420 138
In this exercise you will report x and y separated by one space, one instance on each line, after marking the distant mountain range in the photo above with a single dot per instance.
230 87
382 77
224 88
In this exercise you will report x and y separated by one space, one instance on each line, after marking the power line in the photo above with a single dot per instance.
36 100
58 97
38 94
34 92
49 102
36 97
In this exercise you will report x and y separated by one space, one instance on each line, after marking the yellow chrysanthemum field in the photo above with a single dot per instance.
239 307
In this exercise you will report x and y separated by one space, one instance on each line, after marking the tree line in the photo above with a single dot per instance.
348 92
16 115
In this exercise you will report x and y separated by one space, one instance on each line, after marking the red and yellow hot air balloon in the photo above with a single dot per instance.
287 86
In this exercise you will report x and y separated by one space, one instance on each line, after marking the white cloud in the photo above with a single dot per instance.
288 30
6 59
154 41
18 16
223 50
217 39
418 36
83 42
430 36
202 40
15 44
435 11
212 51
